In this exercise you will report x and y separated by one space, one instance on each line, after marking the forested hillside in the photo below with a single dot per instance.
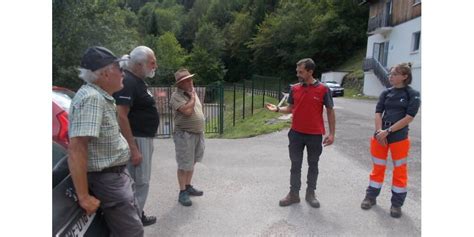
220 40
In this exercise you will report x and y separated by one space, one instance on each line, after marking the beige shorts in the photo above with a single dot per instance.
189 149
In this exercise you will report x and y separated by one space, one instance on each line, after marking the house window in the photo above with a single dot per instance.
380 52
389 7
415 45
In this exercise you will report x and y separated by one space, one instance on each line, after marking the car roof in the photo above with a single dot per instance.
65 91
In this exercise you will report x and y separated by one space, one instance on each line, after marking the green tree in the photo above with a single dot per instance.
170 57
238 56
208 68
205 58
79 25
228 40
209 37
133 5
191 22
341 27
157 18
323 30
220 13
188 4
259 9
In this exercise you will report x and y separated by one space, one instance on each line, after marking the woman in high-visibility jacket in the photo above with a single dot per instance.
396 108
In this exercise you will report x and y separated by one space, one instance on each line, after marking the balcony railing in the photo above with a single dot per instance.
379 21
379 70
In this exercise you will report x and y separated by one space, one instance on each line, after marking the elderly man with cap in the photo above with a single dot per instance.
138 119
188 134
98 153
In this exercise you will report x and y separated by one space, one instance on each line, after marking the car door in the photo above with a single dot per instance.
69 219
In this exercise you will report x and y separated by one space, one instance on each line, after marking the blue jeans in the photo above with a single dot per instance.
313 143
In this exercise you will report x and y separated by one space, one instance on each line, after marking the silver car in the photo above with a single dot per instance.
336 89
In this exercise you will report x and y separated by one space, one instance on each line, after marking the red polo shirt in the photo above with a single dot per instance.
307 102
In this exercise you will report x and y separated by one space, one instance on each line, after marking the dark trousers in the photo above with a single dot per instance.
313 143
116 194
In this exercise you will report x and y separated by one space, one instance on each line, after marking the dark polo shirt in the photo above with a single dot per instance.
394 104
143 115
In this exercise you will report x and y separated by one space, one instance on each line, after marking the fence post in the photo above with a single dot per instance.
221 105
279 88
253 78
233 107
243 100
263 97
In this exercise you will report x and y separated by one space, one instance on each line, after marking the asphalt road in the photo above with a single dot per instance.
243 180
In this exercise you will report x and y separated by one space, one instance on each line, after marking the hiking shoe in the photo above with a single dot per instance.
184 199
395 212
367 203
148 220
290 199
194 192
311 199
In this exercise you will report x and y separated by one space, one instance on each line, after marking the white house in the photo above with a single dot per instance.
394 36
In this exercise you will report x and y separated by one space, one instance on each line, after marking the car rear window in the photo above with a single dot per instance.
61 99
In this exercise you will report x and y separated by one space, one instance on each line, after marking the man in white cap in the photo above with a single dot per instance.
98 153
188 134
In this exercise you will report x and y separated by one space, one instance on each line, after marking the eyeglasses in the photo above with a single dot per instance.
117 65
393 74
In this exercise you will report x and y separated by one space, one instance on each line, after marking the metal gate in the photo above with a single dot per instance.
212 99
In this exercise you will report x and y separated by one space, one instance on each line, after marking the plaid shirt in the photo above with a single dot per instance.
93 114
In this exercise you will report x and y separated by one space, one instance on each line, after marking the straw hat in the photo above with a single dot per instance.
182 75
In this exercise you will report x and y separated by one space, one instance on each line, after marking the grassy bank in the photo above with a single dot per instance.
261 122
354 63
353 82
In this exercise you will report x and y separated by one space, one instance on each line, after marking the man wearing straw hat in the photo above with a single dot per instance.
188 134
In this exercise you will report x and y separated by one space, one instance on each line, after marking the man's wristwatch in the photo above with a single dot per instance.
389 130
278 109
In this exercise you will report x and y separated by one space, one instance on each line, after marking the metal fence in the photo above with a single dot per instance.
211 97
248 90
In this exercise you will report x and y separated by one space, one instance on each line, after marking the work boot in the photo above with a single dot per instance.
367 203
148 220
184 199
290 199
395 212
193 192
311 199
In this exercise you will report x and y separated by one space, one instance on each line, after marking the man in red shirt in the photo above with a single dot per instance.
306 101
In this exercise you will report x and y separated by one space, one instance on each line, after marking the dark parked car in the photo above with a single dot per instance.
69 219
61 101
336 89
